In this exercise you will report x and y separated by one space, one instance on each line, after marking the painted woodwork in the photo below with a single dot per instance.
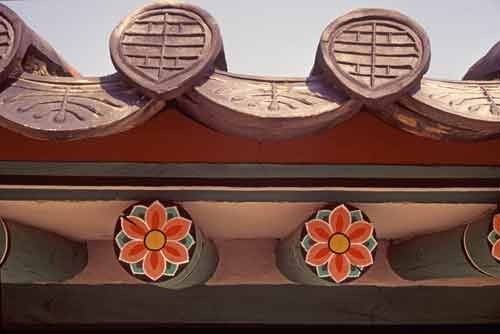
30 255
77 305
481 247
334 246
95 220
266 108
165 47
375 55
339 147
44 107
171 54
158 243
494 238
82 305
464 251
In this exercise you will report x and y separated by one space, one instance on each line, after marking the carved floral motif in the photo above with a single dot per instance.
339 244
494 238
154 241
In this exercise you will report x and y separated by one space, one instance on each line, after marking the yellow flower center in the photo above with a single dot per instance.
155 240
339 243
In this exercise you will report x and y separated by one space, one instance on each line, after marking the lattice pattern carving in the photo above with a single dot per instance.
375 55
164 47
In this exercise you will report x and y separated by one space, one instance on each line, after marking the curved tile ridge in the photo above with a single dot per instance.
67 108
486 68
266 108
21 49
169 50
448 110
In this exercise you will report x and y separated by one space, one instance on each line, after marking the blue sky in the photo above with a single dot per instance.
273 37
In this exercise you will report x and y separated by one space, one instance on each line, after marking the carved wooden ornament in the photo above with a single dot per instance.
165 47
375 55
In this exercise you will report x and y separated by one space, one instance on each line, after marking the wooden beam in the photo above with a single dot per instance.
293 183
255 195
245 171
34 255
456 253
77 305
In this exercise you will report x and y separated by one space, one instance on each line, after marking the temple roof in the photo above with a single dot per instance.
170 54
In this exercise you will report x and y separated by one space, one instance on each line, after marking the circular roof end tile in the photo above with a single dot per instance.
164 48
375 55
11 32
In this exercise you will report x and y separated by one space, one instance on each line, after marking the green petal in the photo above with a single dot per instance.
307 242
323 215
322 271
172 212
139 211
371 244
137 268
121 239
188 241
171 269
356 215
355 272
493 237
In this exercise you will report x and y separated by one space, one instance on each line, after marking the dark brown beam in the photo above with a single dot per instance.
77 305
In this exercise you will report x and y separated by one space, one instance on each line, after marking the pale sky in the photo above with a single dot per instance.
268 37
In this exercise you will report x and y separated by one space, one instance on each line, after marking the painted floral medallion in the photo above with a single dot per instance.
494 238
339 244
154 241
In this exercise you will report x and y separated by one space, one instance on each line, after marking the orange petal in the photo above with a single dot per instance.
359 232
319 230
155 215
495 251
176 253
339 267
134 227
177 228
340 219
154 265
133 251
318 255
496 223
360 256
